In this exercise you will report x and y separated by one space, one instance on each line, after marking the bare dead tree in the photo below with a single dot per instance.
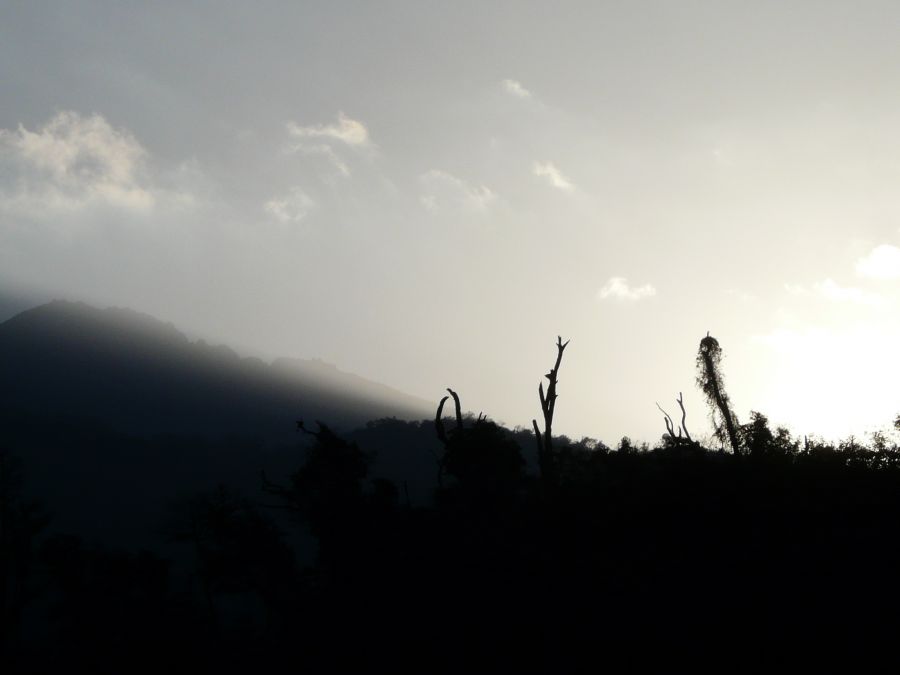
676 435
459 419
442 432
548 406
439 422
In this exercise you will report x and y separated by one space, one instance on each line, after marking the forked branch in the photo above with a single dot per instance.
675 433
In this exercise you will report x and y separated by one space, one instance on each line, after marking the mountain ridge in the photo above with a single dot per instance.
137 372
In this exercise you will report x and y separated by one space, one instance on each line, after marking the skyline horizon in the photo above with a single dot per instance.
699 419
419 192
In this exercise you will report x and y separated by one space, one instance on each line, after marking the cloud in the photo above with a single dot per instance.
882 262
617 288
553 175
321 139
834 292
70 163
442 191
333 158
515 88
346 130
291 207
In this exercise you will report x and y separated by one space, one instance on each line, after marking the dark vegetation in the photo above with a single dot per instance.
456 545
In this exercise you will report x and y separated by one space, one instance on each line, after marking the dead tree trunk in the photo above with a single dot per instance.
546 460
442 433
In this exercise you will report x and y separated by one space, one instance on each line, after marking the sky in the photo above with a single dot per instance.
427 194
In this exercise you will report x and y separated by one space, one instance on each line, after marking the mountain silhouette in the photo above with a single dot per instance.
115 414
140 375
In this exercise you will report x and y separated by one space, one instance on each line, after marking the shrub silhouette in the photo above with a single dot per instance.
482 457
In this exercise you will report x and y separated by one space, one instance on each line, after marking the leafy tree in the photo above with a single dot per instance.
759 440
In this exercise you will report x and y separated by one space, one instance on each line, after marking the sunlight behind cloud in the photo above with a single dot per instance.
833 382
883 262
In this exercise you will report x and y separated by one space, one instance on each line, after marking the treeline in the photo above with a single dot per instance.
534 553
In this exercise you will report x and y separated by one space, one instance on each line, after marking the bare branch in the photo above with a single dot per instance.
439 422
670 426
687 435
459 420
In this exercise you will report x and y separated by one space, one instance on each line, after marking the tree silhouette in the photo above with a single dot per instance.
760 441
544 441
673 433
481 456
711 383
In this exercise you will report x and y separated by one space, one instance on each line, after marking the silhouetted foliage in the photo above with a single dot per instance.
482 457
238 550
760 441
711 383
21 520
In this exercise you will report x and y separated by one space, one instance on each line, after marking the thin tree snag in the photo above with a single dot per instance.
687 435
442 437
439 422
459 421
676 433
670 425
537 436
548 406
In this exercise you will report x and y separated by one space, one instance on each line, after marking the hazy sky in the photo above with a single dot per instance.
428 193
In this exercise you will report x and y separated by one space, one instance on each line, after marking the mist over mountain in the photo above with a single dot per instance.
115 414
142 376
